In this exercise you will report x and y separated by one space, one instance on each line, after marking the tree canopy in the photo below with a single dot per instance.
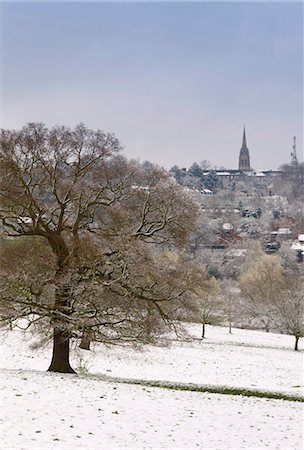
87 232
274 294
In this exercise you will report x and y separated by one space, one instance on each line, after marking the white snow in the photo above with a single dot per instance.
41 410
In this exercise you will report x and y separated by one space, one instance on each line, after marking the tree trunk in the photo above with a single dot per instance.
203 329
61 337
85 342
296 343
230 327
61 353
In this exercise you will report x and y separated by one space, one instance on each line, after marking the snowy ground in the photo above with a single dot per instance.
53 411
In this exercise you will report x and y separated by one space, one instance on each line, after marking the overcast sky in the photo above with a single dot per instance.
176 82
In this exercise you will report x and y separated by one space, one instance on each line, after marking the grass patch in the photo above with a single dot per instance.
225 390
228 391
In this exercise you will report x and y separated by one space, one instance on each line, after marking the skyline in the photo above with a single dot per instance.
176 82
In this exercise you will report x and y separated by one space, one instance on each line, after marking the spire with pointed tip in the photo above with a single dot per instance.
244 158
244 144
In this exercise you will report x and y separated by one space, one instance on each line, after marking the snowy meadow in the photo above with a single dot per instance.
124 398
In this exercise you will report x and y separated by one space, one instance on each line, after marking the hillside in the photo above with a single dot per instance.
99 408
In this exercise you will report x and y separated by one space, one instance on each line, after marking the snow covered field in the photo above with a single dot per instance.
91 412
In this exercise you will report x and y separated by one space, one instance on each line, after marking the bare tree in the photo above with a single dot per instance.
98 220
230 293
274 296
208 303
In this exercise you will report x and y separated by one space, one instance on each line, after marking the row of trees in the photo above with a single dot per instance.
274 296
197 176
265 296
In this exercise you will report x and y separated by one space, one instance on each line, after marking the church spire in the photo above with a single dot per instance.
244 144
244 158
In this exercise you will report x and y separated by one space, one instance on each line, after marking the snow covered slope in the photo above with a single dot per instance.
42 411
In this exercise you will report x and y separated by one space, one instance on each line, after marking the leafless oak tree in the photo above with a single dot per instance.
86 231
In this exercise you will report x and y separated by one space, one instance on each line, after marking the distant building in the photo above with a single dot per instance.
244 158
253 179
206 192
298 246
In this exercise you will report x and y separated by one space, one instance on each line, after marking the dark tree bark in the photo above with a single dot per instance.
230 326
61 337
203 329
85 342
296 343
61 353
